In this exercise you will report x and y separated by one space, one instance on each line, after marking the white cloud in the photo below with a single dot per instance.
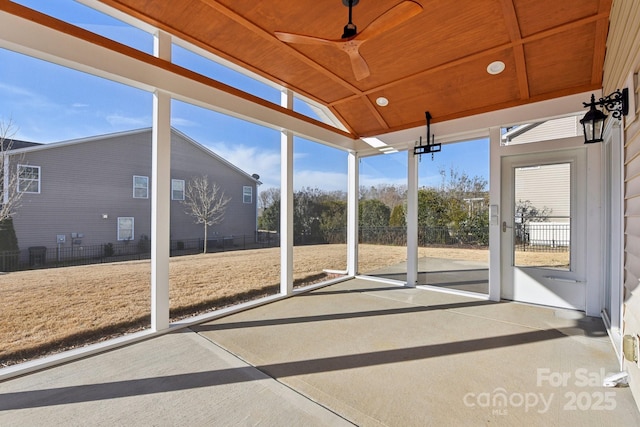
16 90
119 120
265 163
27 99
178 122
327 181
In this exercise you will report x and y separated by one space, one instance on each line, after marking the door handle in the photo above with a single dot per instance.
505 226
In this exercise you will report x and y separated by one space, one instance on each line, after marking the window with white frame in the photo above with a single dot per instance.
247 194
29 179
177 189
125 228
140 187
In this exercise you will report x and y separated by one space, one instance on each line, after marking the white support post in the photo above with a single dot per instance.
286 202
160 200
353 192
495 236
412 219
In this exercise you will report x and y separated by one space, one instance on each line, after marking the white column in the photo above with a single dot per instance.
353 192
412 218
495 229
160 199
286 202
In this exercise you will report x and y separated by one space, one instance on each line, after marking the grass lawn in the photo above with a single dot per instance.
51 310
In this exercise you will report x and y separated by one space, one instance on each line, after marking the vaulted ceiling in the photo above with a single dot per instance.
429 54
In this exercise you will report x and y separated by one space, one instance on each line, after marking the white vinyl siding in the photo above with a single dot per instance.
566 127
29 179
539 185
247 194
177 189
125 228
621 68
140 187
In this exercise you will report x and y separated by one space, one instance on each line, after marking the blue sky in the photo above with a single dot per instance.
48 103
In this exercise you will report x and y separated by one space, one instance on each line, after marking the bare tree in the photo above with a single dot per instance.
268 197
9 194
205 202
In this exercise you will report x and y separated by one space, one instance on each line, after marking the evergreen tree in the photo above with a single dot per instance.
8 246
8 239
373 213
398 217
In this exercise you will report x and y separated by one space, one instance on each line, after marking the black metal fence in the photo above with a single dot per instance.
427 236
542 236
50 257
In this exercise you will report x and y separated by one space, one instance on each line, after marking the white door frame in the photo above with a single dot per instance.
565 288
591 211
613 232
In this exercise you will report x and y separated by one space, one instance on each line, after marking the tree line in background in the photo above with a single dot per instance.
456 211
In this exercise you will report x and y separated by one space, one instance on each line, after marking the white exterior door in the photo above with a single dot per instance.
543 228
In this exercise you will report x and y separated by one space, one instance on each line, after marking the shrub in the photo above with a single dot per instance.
108 250
9 251
8 239
144 244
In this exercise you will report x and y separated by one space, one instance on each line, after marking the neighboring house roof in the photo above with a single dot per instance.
516 131
564 127
31 147
15 144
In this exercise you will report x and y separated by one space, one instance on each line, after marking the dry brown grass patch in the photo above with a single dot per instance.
47 311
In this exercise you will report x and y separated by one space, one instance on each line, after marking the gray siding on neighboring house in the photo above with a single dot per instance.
189 160
82 181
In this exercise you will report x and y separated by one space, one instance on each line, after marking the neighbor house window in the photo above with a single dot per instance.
247 194
140 187
28 179
177 189
125 228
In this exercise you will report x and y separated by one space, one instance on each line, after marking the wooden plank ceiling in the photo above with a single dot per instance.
435 60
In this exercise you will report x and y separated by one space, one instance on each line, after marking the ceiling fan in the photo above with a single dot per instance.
352 39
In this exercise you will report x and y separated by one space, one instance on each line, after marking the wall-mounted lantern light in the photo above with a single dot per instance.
593 122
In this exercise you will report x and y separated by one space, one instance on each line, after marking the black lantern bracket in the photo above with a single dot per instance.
593 121
617 103
431 146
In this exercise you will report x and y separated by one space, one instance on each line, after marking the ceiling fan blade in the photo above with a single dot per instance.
301 39
358 64
391 18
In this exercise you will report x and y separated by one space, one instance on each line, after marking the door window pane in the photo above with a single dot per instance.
542 216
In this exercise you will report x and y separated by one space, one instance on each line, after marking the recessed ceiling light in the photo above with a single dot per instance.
382 101
496 67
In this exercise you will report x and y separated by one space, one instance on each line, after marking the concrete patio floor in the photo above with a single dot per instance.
461 275
359 352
